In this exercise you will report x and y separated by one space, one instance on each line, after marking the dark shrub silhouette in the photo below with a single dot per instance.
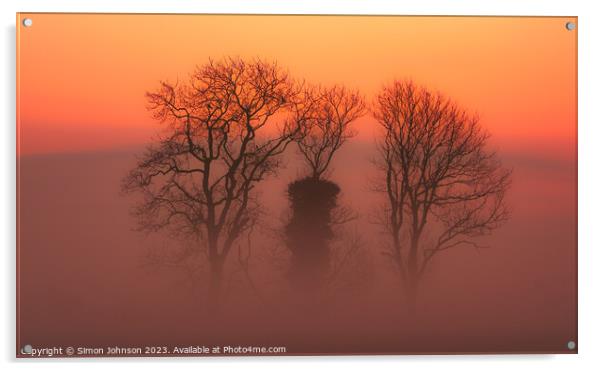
310 230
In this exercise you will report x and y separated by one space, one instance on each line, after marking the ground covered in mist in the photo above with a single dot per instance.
87 278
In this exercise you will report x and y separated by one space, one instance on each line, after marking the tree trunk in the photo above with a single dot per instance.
215 282
412 295
413 276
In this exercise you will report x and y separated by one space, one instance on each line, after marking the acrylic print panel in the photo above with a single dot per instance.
292 185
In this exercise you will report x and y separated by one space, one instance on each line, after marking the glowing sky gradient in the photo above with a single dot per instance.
82 77
82 120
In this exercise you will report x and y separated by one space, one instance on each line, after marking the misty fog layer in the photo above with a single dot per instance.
87 277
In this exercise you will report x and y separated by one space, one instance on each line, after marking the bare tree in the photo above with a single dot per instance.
224 131
328 125
327 116
437 173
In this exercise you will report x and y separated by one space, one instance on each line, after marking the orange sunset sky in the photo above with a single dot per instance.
83 119
82 77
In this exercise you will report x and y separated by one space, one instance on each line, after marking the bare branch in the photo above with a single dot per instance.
326 115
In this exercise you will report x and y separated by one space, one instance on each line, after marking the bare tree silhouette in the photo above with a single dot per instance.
437 173
328 114
224 131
